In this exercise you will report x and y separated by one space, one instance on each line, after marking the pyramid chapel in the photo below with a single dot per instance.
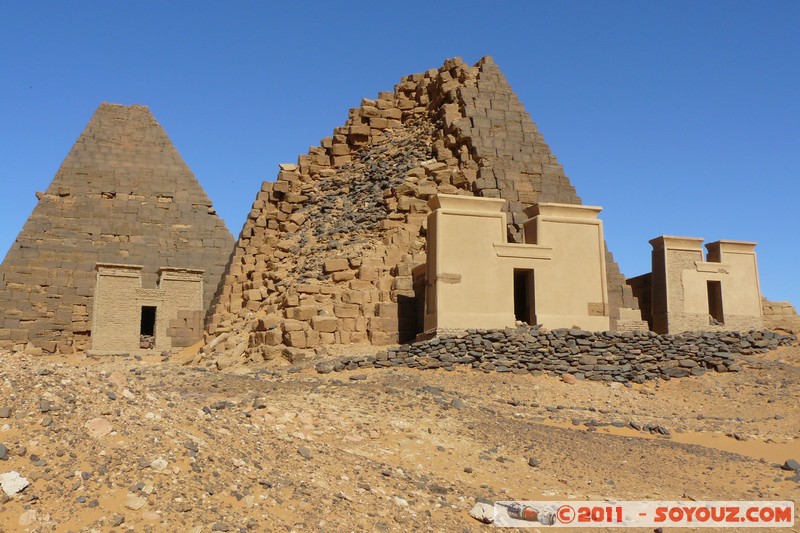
436 207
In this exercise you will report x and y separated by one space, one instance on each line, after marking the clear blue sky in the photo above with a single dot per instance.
679 118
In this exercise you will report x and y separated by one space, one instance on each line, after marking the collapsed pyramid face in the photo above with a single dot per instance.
123 195
326 254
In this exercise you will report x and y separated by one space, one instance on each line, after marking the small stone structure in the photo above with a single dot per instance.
167 316
475 279
687 292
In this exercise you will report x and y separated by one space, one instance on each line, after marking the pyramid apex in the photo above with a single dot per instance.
113 107
453 62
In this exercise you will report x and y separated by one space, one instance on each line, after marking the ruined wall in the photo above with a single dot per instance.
780 316
471 280
122 195
326 254
604 356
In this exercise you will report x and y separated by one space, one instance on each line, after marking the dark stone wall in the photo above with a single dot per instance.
606 356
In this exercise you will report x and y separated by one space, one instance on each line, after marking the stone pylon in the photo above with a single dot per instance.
327 253
122 195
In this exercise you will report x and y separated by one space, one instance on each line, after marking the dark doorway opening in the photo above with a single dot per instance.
524 296
716 315
147 327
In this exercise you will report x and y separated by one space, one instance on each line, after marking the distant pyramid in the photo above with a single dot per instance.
327 253
122 195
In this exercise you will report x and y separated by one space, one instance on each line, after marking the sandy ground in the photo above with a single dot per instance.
287 449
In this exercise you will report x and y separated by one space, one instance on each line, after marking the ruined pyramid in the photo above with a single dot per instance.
123 195
326 254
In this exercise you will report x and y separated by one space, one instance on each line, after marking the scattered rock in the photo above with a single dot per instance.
5 412
791 464
304 452
12 483
259 403
482 512
98 427
159 465
28 517
135 502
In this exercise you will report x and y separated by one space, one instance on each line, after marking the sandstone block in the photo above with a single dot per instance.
367 273
403 283
387 310
358 130
294 325
324 324
336 265
295 339
354 297
303 312
345 275
312 339
346 310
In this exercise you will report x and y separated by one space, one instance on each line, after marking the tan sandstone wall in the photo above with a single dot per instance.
471 276
780 316
120 296
680 300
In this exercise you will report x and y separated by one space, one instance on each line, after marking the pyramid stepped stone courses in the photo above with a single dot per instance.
780 316
326 254
514 163
122 195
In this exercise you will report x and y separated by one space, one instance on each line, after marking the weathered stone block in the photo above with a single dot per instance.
324 324
312 339
295 339
294 325
308 289
336 265
346 310
345 275
387 310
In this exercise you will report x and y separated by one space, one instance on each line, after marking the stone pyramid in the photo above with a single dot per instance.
122 195
326 255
